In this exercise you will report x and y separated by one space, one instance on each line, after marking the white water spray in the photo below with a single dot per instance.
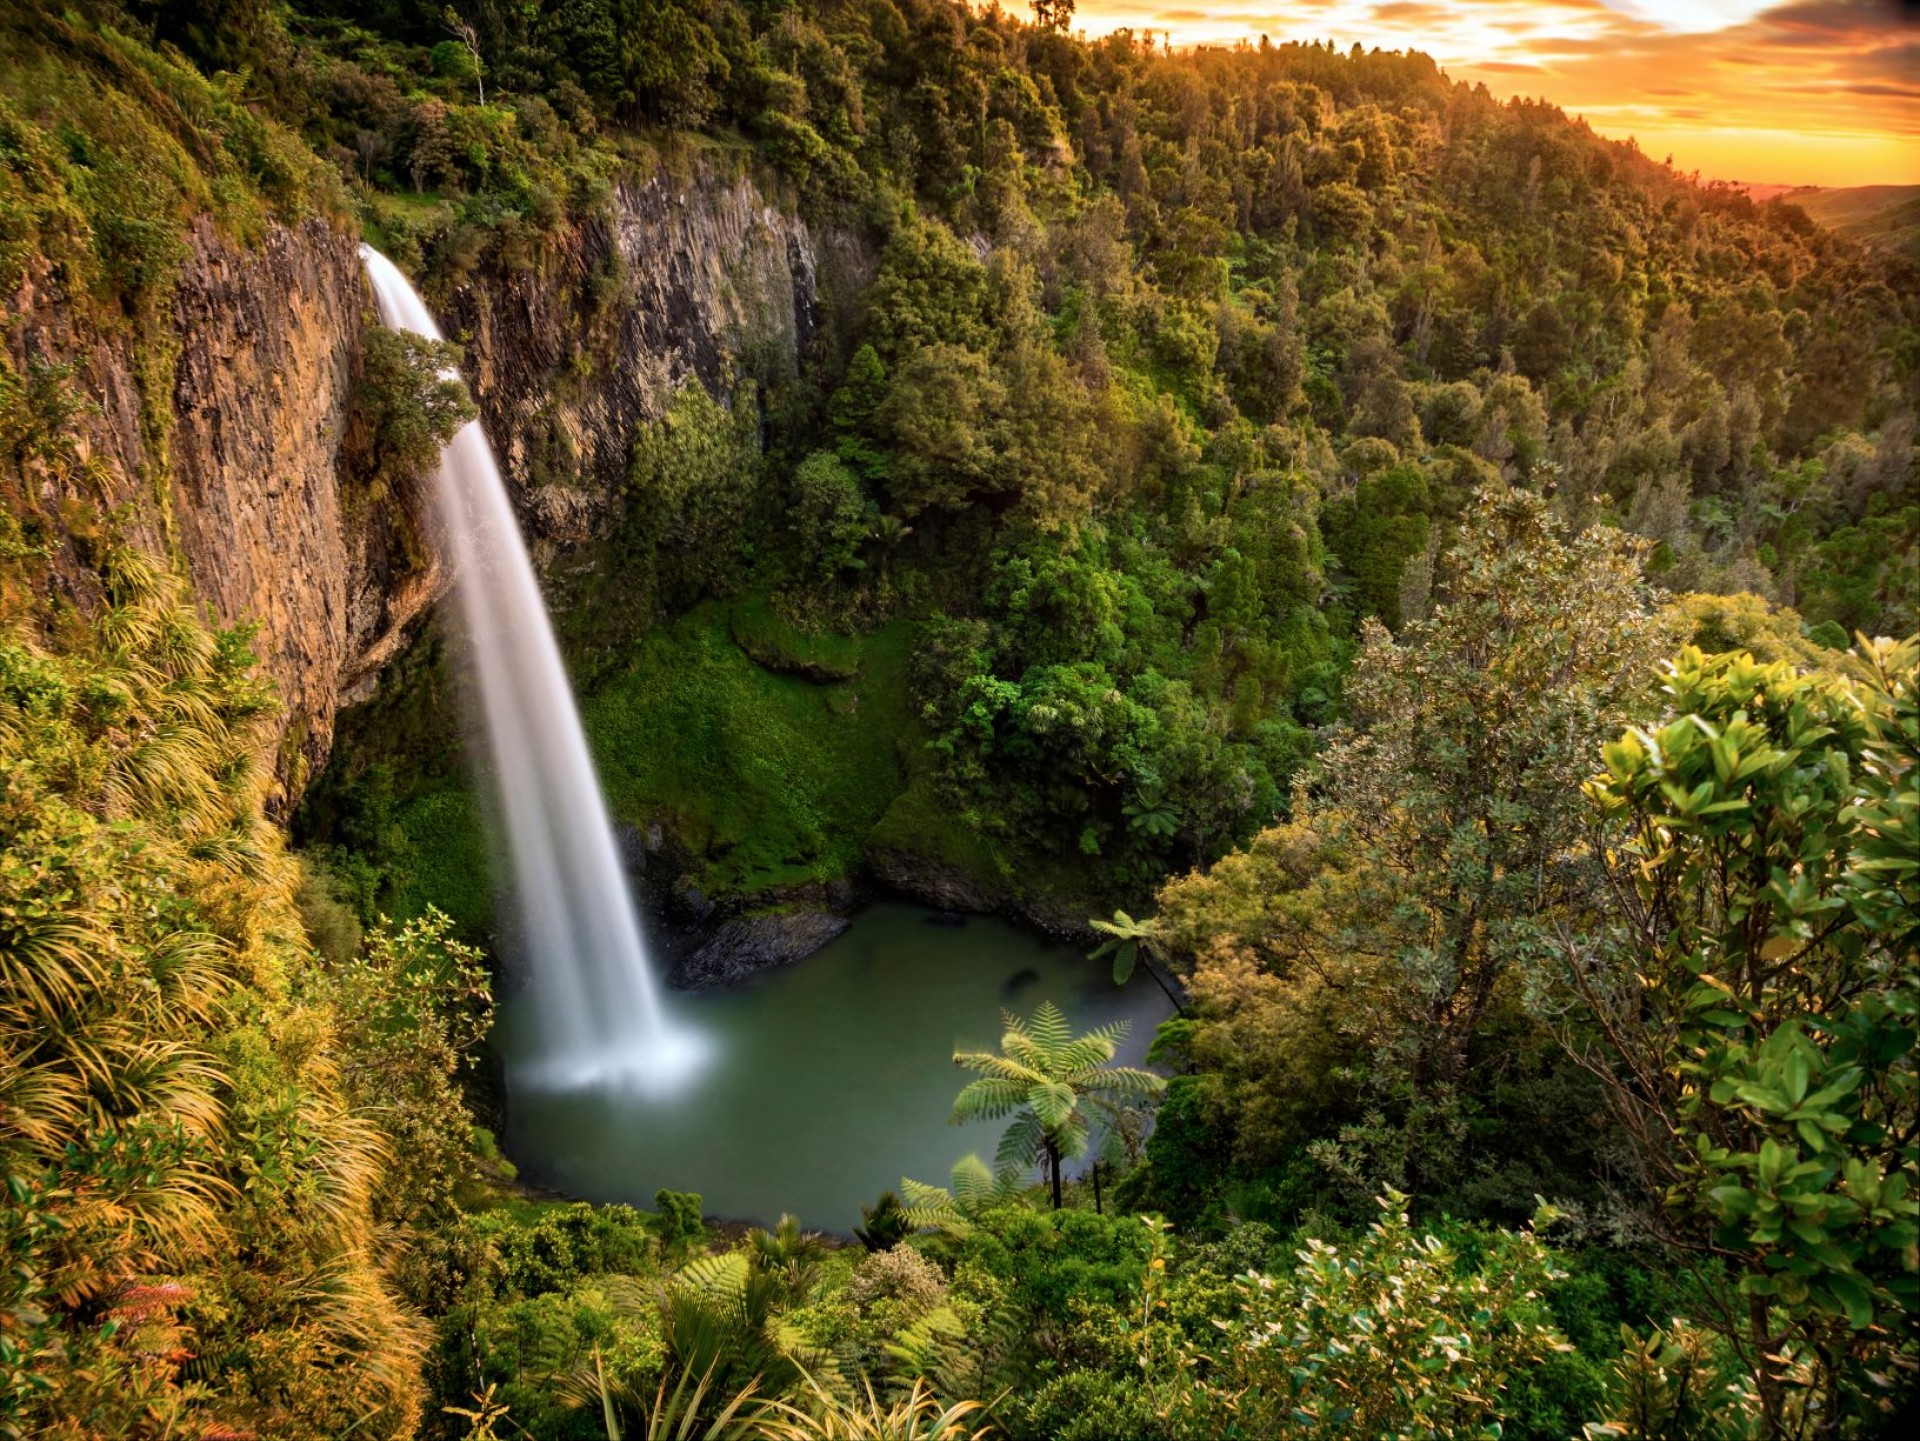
598 1004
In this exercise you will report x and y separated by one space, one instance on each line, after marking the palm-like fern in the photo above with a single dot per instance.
788 1253
1129 942
972 1188
721 1316
1048 1079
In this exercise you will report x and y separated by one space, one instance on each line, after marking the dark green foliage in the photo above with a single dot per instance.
1053 1259
1385 525
1190 1152
1095 1406
677 1222
767 776
884 1224
691 480
557 1245
1830 635
410 400
831 519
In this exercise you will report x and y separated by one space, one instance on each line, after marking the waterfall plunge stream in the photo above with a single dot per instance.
599 1009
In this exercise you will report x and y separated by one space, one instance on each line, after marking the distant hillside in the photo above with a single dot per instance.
1883 216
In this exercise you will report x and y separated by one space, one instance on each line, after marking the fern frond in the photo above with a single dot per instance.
1023 1144
1049 1027
989 1098
990 1064
1120 1081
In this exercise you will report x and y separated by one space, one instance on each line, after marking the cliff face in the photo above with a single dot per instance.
266 513
242 465
231 458
702 279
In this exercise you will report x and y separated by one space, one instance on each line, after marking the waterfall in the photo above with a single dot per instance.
592 989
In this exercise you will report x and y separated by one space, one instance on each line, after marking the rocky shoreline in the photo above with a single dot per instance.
705 941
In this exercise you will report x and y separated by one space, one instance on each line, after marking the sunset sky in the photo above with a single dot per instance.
1810 92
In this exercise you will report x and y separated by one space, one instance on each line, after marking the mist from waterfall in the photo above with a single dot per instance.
599 1009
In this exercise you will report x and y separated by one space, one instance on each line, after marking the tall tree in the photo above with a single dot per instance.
1420 880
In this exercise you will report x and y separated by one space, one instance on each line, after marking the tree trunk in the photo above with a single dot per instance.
1766 1370
1179 1006
1098 1210
1053 1164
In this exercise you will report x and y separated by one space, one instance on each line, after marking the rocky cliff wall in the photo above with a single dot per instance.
217 436
701 278
267 514
237 458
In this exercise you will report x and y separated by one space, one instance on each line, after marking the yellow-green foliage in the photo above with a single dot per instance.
1391 1335
109 150
186 1180
1719 623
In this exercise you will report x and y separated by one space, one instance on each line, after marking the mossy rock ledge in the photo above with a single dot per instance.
740 947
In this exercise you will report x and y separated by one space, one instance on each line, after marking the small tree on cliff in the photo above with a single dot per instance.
1048 1079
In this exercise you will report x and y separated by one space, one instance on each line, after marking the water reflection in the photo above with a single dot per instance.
829 1080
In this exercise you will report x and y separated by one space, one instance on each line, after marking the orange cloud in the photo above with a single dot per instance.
1821 92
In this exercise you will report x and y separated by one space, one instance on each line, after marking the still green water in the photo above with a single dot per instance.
825 1082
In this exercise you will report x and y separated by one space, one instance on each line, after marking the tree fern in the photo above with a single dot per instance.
1047 1079
972 1189
718 1317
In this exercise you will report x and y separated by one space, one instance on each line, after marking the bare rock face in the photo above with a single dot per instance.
235 468
272 529
702 279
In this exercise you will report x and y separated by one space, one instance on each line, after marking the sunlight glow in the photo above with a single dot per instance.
1692 16
1791 93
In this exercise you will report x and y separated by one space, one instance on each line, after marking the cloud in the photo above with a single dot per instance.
1843 23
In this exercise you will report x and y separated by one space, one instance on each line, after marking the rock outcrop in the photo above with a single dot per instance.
230 459
697 279
743 946
953 889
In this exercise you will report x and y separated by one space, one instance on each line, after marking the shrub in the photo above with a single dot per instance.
560 1244
901 1275
409 403
1388 1336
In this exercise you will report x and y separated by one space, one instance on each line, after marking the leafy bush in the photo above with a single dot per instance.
410 400
1387 1336
1756 1022
559 1244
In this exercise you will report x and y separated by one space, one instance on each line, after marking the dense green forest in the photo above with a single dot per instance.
1413 564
